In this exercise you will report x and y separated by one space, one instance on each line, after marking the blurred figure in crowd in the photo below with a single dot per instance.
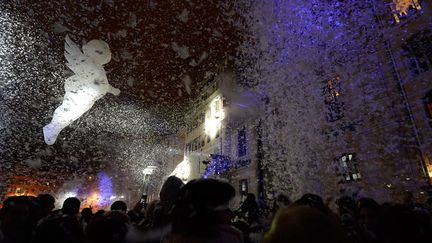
63 226
16 225
301 223
119 205
201 214
112 227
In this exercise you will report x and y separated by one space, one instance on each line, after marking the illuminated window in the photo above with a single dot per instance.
428 106
418 50
217 106
347 168
331 93
241 142
243 187
404 8
214 116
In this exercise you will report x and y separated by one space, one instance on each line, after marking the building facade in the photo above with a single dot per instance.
352 117
408 42
219 144
348 87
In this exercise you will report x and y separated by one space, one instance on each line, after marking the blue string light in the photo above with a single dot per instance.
218 165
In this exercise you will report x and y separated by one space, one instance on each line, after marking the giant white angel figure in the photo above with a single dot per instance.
83 89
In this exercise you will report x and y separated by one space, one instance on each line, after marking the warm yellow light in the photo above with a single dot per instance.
401 7
429 169
214 116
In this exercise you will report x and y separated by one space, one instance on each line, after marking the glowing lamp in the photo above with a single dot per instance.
70 194
149 170
214 116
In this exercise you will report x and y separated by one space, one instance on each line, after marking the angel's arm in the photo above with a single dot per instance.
113 90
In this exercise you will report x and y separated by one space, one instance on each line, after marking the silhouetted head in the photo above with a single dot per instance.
208 193
171 189
300 224
86 213
347 205
59 229
71 206
119 205
311 200
99 214
202 204
46 202
112 227
16 211
283 199
250 197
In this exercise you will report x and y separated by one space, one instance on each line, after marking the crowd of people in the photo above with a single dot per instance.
199 211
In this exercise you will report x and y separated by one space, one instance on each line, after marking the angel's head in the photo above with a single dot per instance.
98 51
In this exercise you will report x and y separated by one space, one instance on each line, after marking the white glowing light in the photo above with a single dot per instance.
70 194
121 196
182 170
83 89
149 170
214 116
112 198
63 196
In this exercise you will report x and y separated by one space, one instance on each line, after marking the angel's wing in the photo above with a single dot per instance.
76 60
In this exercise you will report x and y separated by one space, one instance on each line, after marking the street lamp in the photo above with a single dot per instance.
149 170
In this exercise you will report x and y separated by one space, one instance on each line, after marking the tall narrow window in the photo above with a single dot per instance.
202 141
331 93
348 167
243 187
216 105
241 142
188 148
